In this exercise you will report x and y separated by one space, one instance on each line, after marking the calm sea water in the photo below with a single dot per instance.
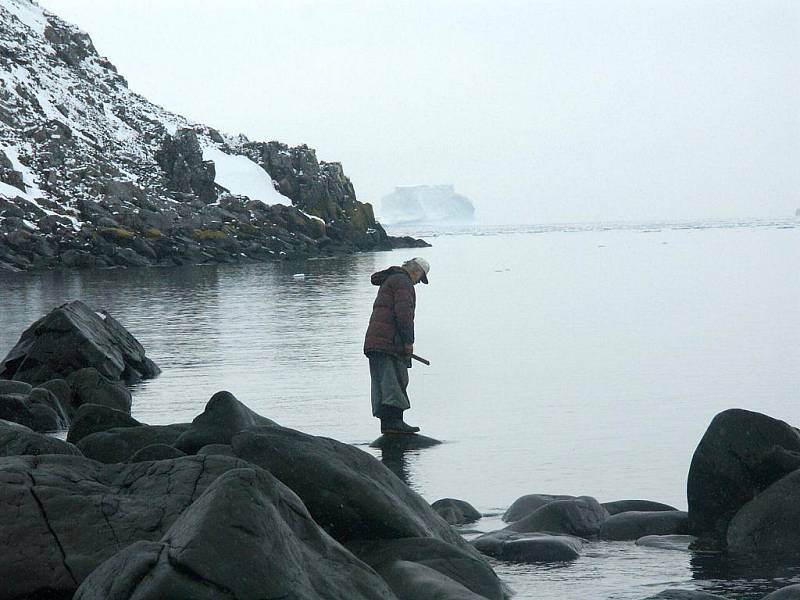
565 359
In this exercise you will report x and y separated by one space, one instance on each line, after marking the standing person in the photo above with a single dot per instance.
389 342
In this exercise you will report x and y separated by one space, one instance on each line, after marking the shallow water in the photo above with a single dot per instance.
565 359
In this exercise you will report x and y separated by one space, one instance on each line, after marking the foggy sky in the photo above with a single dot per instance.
548 111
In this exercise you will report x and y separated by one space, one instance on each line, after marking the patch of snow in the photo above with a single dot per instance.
28 13
9 191
30 225
314 217
31 189
241 176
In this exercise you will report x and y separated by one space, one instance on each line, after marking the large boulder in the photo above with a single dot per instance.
456 512
525 505
65 515
246 537
120 444
414 581
348 492
156 452
89 386
224 416
91 418
581 516
769 525
739 456
790 592
38 409
620 506
529 547
633 525
19 441
73 337
455 564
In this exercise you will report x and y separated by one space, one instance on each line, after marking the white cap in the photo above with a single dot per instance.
424 266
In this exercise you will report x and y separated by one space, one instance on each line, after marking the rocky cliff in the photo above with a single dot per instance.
94 175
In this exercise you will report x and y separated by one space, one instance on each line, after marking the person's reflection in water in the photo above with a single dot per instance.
395 459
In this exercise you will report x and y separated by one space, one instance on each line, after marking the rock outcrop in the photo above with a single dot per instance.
73 337
94 175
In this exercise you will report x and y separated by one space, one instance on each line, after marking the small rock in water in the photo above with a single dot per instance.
456 512
404 441
684 595
790 592
529 547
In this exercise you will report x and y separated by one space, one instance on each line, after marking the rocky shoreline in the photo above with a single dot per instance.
233 505
93 175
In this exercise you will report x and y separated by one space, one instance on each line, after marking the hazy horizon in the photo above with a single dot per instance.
538 112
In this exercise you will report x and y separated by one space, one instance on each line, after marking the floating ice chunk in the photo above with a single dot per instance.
299 275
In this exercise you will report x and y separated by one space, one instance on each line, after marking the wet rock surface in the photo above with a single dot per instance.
71 338
456 512
529 547
581 517
633 525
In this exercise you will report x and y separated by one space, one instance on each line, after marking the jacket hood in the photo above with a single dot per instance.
381 276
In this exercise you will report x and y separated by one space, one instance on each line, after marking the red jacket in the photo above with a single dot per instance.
391 325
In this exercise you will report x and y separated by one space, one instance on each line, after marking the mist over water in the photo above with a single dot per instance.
565 359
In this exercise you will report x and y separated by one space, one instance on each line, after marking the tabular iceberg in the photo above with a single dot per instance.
425 204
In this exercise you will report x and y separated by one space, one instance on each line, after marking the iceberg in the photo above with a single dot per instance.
425 204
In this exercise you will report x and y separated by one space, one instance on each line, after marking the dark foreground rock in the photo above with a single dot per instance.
456 512
93 418
224 416
415 581
529 547
349 493
790 592
636 524
120 444
581 517
769 525
21 441
246 537
740 455
525 505
72 337
619 506
448 563
38 409
64 515
89 386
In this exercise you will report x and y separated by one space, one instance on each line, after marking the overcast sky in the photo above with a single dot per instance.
544 111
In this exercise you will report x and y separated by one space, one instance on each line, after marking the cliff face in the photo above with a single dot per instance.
92 174
426 204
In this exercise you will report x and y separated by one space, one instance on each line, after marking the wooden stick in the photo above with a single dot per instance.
424 361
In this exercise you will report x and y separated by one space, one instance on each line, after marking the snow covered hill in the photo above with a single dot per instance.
93 174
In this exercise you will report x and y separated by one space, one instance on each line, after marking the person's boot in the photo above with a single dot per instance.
392 422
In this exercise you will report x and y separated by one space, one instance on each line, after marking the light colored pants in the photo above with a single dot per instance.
389 376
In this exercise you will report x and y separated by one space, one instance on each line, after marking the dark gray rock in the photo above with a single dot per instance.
620 506
45 418
633 525
415 581
454 563
15 387
581 516
790 592
120 444
728 468
769 525
247 536
16 408
72 337
61 390
224 416
18 442
403 442
90 387
156 452
456 512
181 159
65 515
525 505
223 449
92 418
684 595
529 547
45 397
348 492
667 542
